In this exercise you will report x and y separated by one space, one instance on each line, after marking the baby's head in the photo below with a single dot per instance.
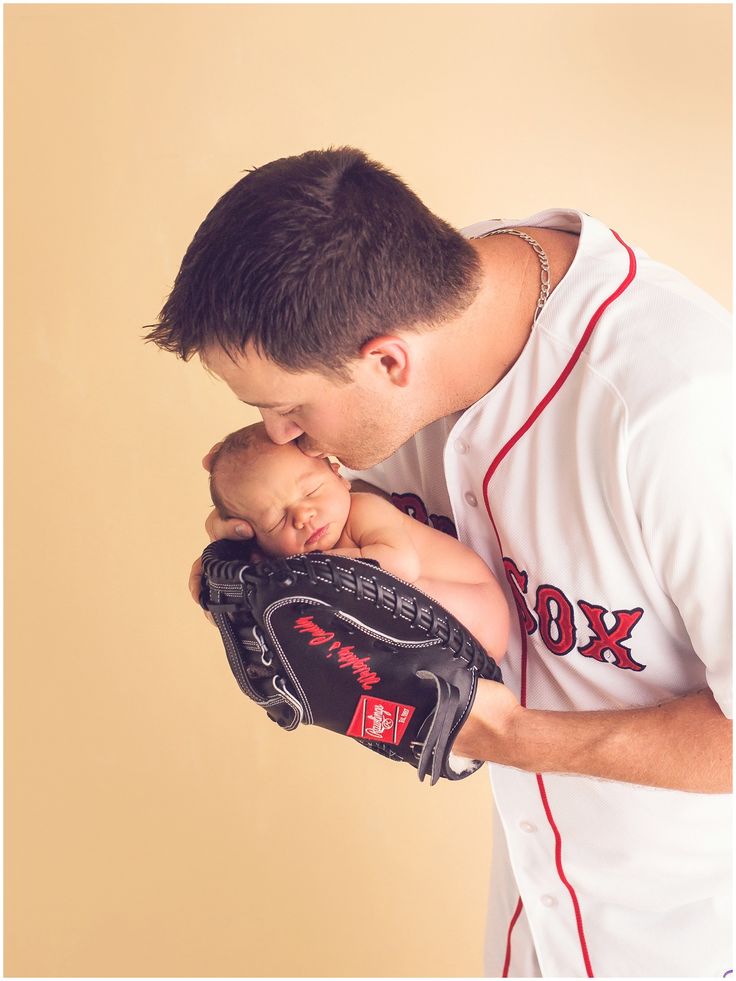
293 502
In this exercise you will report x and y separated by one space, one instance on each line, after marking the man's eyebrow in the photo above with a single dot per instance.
263 405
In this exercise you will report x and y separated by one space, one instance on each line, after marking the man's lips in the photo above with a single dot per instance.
310 451
316 536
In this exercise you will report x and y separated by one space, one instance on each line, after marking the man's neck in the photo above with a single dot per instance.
478 349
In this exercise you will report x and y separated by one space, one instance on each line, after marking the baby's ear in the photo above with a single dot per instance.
336 470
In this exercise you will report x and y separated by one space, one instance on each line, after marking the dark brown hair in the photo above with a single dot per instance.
309 257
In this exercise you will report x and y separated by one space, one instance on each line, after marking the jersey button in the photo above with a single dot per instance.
461 446
548 901
528 827
471 499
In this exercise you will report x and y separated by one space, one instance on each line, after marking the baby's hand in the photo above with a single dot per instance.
235 529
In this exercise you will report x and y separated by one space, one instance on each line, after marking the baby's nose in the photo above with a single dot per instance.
303 514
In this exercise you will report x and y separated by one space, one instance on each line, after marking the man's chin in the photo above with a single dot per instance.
362 462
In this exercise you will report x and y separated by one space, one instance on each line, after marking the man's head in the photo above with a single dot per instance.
294 503
309 257
305 288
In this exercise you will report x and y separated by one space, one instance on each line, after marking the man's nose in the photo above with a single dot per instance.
280 430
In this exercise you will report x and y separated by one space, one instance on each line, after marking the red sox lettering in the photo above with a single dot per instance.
555 614
346 656
555 619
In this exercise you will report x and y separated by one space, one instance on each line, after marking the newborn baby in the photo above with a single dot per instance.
295 503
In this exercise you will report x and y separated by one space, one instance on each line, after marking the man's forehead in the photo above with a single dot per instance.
258 381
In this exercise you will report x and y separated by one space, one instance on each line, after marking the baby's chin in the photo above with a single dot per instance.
329 540
323 545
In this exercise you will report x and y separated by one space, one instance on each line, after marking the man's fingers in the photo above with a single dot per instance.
207 458
195 580
236 529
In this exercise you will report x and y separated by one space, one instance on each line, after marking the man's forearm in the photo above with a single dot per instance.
683 744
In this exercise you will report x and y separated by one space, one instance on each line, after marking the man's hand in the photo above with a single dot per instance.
234 528
688 740
216 527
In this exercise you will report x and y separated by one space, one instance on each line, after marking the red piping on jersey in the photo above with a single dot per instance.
512 924
563 877
508 446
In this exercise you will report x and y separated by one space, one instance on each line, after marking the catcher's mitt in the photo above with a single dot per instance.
339 643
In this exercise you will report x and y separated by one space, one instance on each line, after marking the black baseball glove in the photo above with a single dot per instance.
324 640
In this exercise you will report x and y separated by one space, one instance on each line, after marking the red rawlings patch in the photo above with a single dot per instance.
377 719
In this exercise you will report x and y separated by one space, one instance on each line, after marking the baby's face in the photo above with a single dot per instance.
295 503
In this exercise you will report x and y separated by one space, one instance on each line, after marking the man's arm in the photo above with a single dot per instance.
682 744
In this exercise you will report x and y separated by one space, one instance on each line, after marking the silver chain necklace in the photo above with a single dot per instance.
543 262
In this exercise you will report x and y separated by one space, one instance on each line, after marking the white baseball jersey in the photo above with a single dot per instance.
594 480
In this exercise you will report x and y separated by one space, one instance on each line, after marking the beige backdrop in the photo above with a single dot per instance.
156 822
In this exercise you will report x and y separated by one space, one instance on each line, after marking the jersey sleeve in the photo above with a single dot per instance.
679 471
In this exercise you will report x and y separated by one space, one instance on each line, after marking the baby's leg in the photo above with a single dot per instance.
481 607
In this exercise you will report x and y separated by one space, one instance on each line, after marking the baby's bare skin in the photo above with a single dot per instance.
294 504
436 563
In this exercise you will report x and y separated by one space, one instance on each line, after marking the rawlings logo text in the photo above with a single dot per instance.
381 721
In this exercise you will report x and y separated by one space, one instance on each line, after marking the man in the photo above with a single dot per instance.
560 402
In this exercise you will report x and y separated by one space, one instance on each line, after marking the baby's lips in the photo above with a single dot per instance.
319 533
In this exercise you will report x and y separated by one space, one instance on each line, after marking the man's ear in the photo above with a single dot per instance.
391 356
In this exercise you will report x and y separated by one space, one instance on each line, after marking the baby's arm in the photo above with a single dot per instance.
378 532
467 587
480 606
